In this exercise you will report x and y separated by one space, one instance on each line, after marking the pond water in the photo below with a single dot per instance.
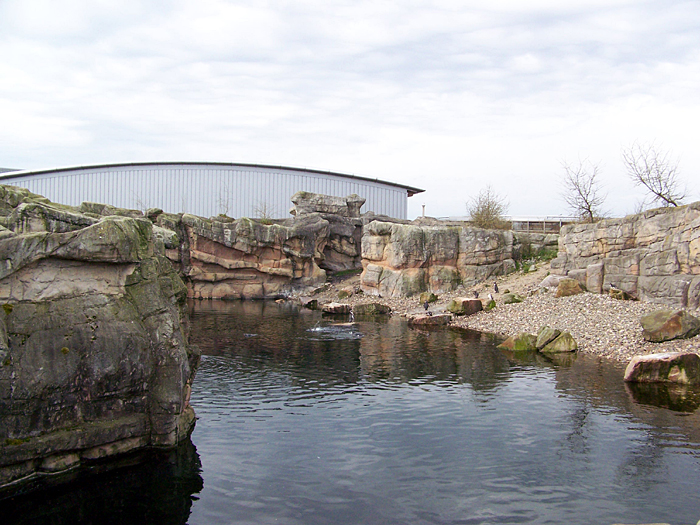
312 420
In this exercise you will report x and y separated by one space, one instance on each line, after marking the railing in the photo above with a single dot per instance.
529 224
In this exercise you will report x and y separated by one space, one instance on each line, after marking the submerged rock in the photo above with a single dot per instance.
664 325
670 367
520 342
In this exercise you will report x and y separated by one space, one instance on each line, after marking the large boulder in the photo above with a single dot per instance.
672 367
371 309
430 320
464 306
93 338
568 287
664 325
546 335
336 308
563 343
306 202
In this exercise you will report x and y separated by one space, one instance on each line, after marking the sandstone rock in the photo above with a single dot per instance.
551 281
545 336
618 294
512 298
344 293
563 343
371 309
430 320
520 342
676 367
568 287
664 325
654 256
337 308
403 260
305 202
427 297
464 306
93 337
595 277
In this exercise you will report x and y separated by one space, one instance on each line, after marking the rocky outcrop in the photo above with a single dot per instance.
402 259
247 259
94 358
675 367
653 256
430 320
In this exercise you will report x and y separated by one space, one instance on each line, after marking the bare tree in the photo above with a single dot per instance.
582 190
655 170
487 210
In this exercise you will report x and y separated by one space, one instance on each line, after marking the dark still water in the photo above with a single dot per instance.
306 421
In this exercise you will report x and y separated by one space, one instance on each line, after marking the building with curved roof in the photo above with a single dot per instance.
207 188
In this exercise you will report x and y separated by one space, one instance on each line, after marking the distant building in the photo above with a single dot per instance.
207 188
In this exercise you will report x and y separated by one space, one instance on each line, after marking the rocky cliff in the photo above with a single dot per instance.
226 258
405 259
653 256
94 358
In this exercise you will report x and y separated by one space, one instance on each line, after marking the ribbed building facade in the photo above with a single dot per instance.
207 189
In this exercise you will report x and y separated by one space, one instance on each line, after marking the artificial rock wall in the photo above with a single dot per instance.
94 359
654 256
404 259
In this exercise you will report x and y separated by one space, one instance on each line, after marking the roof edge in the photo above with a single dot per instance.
12 174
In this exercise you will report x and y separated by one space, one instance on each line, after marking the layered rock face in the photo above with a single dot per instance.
94 358
224 258
653 256
402 259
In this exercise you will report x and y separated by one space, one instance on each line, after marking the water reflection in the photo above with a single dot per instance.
153 487
372 349
373 421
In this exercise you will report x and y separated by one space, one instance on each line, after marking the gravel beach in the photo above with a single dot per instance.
601 325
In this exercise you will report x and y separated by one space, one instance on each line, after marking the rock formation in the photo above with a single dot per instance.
404 259
674 367
225 258
665 325
653 256
94 358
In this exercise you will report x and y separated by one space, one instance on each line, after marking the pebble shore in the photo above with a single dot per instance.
601 325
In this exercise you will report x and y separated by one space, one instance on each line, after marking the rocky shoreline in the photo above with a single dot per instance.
601 325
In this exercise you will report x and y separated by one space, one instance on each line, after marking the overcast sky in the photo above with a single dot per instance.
447 96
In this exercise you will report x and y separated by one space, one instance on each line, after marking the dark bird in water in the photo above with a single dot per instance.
495 286
426 305
476 294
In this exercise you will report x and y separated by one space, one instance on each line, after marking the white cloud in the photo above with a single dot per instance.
443 95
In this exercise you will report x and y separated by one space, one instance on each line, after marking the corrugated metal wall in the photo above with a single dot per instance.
206 190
